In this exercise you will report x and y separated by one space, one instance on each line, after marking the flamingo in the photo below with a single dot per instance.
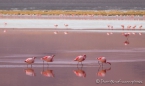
126 34
111 28
80 58
30 60
122 26
103 60
128 27
5 23
30 72
108 28
66 25
48 58
56 25
140 27
133 29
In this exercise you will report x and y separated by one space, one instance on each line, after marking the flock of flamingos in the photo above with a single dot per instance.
79 72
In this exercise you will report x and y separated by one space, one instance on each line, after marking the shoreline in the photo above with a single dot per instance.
73 12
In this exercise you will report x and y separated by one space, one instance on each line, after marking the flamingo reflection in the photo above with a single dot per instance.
102 72
30 72
79 72
47 72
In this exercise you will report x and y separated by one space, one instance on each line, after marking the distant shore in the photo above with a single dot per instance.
73 12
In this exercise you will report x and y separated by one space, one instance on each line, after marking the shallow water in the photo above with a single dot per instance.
17 45
58 76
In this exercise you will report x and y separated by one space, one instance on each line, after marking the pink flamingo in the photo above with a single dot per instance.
108 28
66 25
111 29
122 27
102 73
133 29
56 32
56 25
48 58
126 34
80 58
30 72
103 60
30 60
5 23
127 41
128 27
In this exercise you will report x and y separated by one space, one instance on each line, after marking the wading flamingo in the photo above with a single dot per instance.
126 34
56 25
30 61
110 28
48 58
80 58
55 32
133 28
66 25
103 60
122 27
140 27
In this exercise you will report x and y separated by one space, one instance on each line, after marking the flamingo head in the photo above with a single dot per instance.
84 56
99 58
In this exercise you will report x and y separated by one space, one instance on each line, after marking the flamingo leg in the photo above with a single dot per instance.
81 64
77 64
99 68
99 63
47 65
